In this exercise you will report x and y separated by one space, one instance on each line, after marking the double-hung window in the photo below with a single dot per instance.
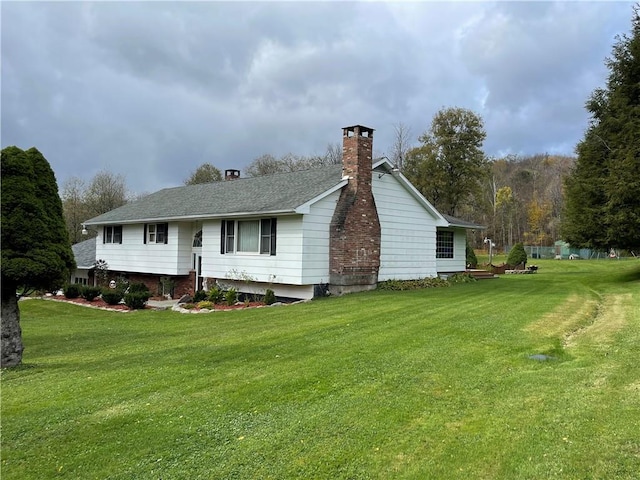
444 244
112 234
248 236
156 233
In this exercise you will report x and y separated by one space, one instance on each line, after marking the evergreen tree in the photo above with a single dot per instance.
449 164
517 256
36 253
602 208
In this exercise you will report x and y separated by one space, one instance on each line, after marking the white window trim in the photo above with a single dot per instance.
234 237
445 249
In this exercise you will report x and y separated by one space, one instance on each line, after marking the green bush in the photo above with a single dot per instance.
471 259
199 296
122 284
136 300
72 290
462 278
517 256
216 295
138 287
399 285
111 296
205 304
231 296
89 293
269 297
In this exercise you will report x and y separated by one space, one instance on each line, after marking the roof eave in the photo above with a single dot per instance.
183 218
306 207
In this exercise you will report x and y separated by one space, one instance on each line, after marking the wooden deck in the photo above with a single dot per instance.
480 274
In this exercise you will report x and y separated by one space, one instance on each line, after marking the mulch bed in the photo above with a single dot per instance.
101 304
96 303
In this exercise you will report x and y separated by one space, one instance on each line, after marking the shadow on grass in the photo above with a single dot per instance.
554 354
628 276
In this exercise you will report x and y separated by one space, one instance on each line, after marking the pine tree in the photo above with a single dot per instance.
36 253
602 208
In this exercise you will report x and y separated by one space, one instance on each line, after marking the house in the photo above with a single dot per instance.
340 228
85 255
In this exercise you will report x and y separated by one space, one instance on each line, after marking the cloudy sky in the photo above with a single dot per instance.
151 90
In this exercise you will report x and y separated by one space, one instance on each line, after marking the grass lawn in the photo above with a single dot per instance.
425 384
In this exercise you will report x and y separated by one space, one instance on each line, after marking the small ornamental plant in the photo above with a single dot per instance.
269 297
111 296
199 296
517 256
136 300
90 293
216 295
231 296
205 304
72 290
138 287
471 259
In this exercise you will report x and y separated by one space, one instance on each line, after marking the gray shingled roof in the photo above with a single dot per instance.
85 253
457 222
279 193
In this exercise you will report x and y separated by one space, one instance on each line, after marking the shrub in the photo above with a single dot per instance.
122 284
231 296
471 259
89 293
138 287
216 295
136 300
517 256
72 290
399 285
199 296
269 297
462 278
111 296
205 304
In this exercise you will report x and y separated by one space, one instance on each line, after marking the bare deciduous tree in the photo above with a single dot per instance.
106 192
401 144
74 207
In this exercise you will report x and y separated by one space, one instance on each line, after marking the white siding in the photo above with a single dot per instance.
304 292
459 261
408 240
283 267
80 275
315 267
133 255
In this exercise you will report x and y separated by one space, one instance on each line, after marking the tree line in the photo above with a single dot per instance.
590 199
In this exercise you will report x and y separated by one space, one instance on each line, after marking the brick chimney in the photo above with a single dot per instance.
231 174
354 245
